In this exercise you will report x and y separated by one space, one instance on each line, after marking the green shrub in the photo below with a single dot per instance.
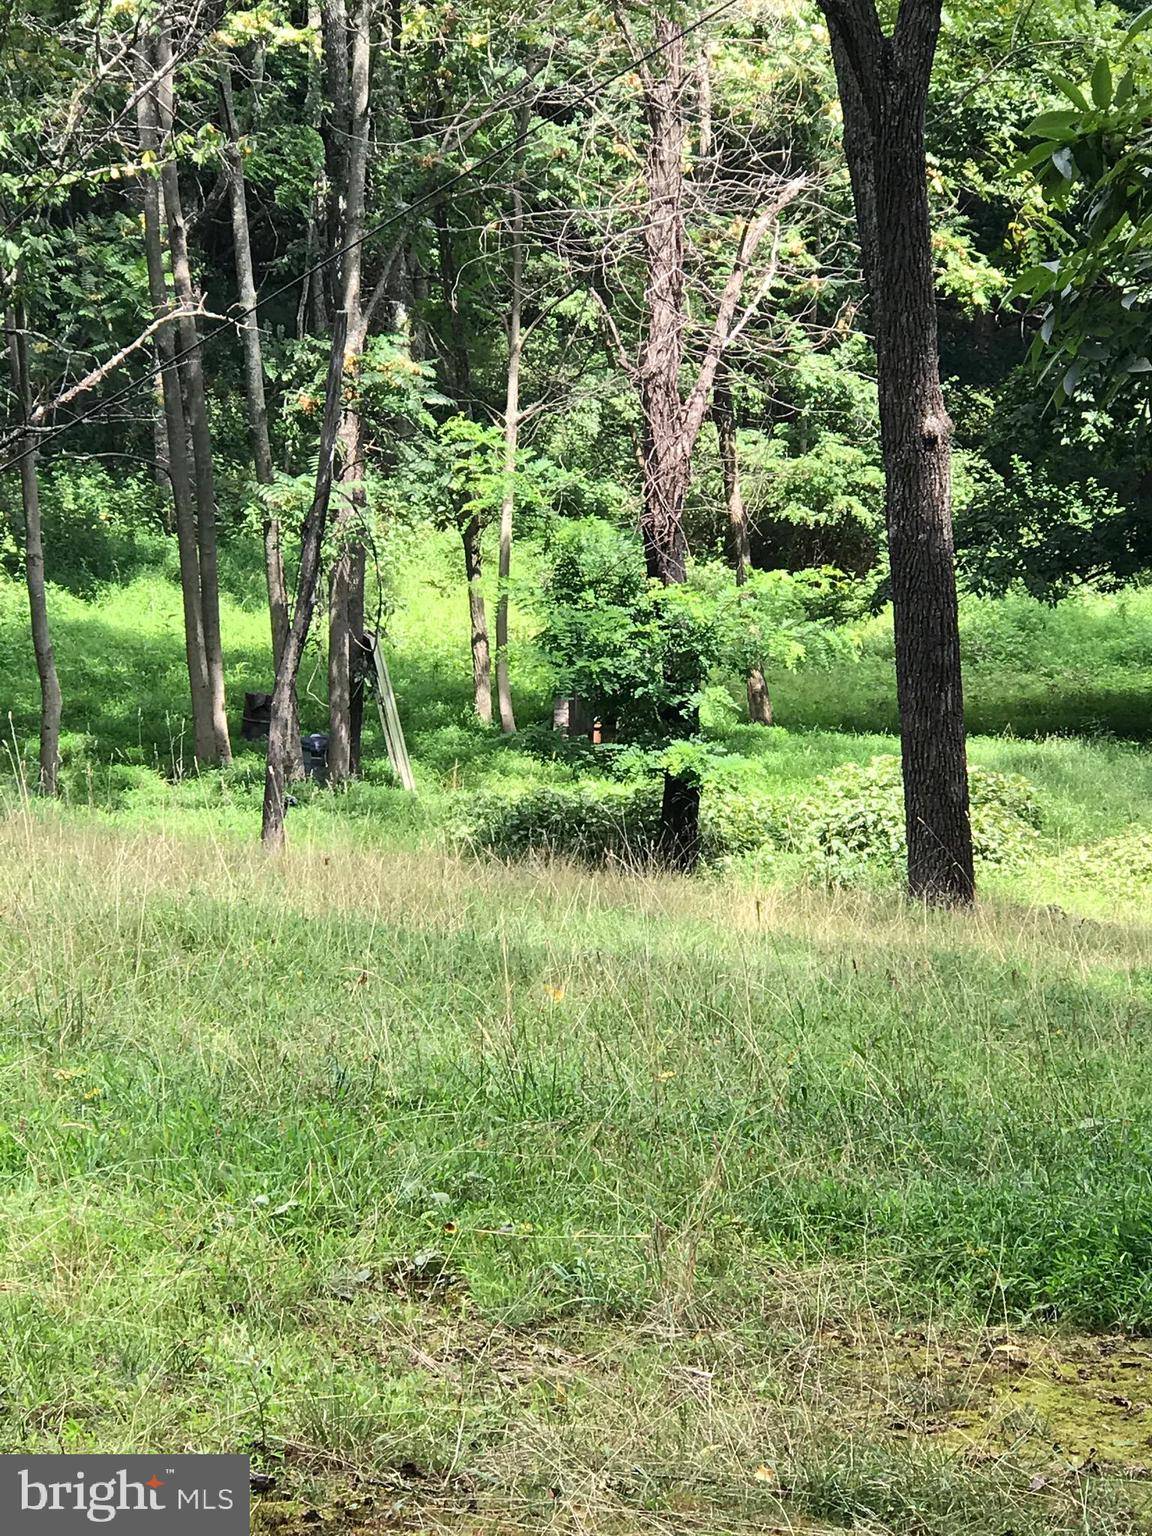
100 525
1120 866
604 821
739 812
596 822
855 821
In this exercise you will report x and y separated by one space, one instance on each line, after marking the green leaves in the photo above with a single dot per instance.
1094 169
1102 84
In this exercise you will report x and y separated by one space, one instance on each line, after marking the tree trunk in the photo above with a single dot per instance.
883 89
481 657
511 440
460 386
666 455
50 702
282 723
254 398
256 405
312 308
348 74
196 409
335 127
759 699
179 470
665 450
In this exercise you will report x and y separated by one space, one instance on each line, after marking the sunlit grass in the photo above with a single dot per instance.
385 1156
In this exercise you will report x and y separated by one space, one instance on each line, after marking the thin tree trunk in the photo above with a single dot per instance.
179 470
481 657
350 91
282 726
196 409
460 385
160 470
883 83
759 699
511 440
50 701
312 308
254 397
666 447
335 129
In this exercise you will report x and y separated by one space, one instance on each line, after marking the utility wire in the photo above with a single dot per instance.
499 154
178 57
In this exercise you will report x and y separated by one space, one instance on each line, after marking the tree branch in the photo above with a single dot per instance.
696 406
90 380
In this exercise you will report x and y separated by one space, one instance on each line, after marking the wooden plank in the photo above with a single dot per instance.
390 717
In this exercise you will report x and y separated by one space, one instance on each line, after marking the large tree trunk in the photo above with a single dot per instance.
179 470
282 723
254 398
883 90
196 408
511 441
667 448
348 75
50 702
739 544
666 454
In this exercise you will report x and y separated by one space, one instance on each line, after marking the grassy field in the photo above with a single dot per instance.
478 1198
511 1199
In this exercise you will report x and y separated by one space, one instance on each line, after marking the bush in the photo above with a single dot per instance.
856 820
597 822
99 526
1120 866
738 812
604 821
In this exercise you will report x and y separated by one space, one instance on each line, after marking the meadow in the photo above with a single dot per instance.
475 1195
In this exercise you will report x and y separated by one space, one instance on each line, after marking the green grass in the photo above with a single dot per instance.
299 1153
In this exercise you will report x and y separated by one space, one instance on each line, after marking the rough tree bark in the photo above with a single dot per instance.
50 701
176 434
672 421
256 406
282 723
195 405
883 85
511 434
348 74
739 544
